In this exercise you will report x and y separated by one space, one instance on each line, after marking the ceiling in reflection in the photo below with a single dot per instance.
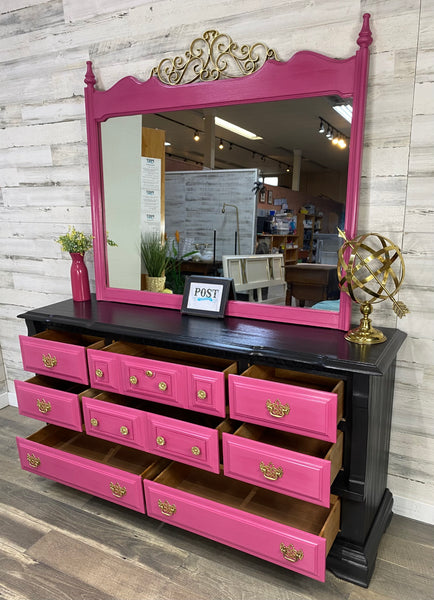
283 126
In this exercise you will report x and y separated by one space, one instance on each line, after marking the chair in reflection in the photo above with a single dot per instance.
257 278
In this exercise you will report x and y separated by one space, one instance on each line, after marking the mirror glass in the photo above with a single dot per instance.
221 197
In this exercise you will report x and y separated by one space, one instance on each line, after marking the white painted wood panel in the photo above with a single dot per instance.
43 169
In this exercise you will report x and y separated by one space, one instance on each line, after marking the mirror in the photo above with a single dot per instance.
211 203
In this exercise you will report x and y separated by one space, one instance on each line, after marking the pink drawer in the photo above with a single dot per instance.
58 354
206 391
77 461
104 370
50 400
305 404
176 378
252 520
185 442
153 380
110 421
286 463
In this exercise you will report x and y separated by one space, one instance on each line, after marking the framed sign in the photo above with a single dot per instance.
206 296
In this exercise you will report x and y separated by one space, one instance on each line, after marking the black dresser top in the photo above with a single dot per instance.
257 341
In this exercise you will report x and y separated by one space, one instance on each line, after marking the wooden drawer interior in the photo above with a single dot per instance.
75 339
310 518
174 356
297 443
101 451
57 384
304 380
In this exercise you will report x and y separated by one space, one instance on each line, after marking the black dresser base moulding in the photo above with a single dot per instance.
368 373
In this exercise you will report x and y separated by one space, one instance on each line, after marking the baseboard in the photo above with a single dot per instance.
12 399
412 509
4 400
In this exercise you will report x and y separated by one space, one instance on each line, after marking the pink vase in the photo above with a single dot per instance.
79 278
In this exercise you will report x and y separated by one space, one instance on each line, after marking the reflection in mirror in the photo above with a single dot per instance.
221 197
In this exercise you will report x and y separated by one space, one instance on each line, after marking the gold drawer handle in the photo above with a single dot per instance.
33 460
149 373
277 409
162 386
270 471
49 361
290 553
195 450
201 394
99 373
94 422
117 489
43 405
167 508
160 440
124 430
133 379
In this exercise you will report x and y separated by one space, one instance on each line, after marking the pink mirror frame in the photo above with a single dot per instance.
305 74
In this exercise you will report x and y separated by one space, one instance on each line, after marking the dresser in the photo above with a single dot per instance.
271 438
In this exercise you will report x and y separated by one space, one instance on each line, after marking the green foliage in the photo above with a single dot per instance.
77 242
154 254
175 280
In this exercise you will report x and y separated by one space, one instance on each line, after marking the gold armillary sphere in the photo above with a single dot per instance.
370 269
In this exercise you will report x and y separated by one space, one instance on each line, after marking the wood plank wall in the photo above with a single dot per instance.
43 158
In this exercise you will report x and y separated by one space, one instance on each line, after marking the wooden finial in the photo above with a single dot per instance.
90 78
365 36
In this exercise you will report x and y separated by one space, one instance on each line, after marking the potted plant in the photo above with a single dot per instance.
155 258
77 243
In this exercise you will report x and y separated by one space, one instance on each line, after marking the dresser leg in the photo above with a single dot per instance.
355 563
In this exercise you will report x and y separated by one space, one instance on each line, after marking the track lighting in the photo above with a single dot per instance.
334 135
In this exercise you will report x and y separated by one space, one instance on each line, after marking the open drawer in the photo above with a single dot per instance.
291 464
175 378
51 400
174 433
301 403
94 466
58 354
289 532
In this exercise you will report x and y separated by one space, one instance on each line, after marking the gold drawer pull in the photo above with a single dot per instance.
124 430
277 409
33 460
290 553
94 422
162 386
270 471
160 440
99 373
117 489
133 379
149 373
167 508
195 450
43 405
201 394
49 361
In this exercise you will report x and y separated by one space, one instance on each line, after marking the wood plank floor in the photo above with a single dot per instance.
57 543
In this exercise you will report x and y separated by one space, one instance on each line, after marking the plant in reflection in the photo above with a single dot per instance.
155 255
175 279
